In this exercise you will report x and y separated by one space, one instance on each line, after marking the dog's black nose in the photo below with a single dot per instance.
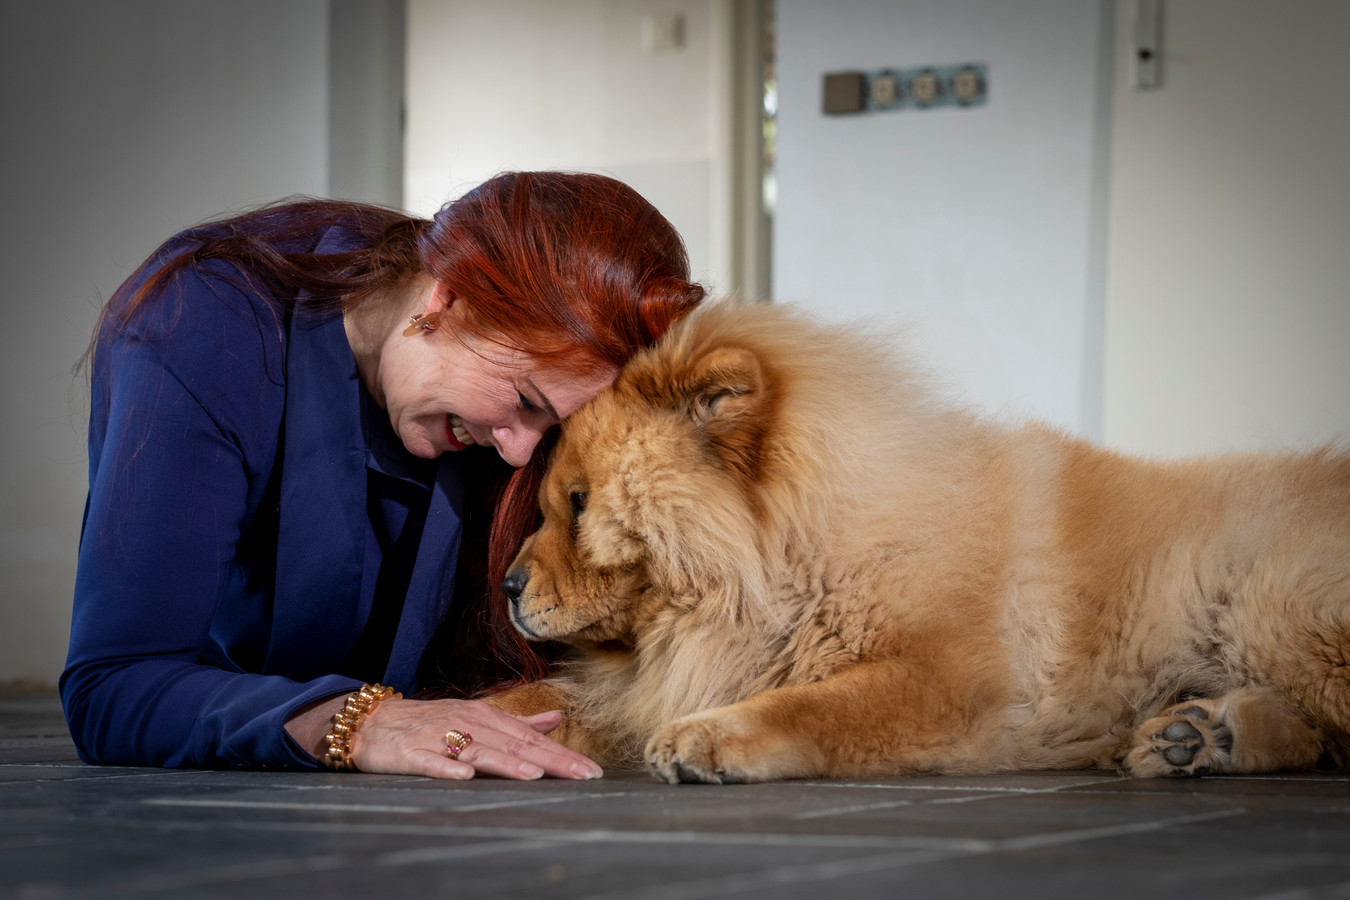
513 585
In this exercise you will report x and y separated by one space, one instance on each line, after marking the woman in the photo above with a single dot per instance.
290 413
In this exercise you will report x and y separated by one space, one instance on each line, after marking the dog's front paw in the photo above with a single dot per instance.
1187 739
697 748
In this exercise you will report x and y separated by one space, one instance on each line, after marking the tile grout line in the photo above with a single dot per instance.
988 794
222 803
769 878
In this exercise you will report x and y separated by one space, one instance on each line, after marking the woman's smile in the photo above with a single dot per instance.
459 433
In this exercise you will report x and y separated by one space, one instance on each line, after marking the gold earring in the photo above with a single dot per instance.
417 324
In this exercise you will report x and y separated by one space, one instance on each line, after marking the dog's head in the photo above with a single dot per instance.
650 502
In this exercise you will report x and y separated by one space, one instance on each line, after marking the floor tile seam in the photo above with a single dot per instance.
75 779
848 810
225 803
443 787
600 835
273 868
563 835
1338 891
957 787
1291 778
184 802
577 835
892 804
1078 835
993 794
767 879
180 882
1141 795
1078 792
836 869
778 876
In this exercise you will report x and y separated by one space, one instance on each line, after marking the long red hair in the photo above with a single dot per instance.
577 270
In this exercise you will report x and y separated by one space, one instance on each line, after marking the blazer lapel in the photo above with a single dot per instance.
322 530
433 576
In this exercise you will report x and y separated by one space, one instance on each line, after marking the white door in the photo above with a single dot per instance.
1228 263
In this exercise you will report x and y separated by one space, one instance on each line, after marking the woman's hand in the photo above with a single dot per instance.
407 737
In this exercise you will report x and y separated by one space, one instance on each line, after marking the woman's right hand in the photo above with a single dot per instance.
407 737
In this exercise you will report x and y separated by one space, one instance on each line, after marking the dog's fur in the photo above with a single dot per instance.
779 556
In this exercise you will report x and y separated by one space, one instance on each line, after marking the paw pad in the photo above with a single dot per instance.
1188 736
1186 741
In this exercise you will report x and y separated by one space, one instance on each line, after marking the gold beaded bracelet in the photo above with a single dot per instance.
337 752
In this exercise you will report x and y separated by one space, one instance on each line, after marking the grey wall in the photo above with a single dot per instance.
125 122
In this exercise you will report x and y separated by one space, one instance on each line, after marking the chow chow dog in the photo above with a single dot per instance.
779 554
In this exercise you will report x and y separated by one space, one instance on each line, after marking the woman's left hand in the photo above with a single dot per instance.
408 737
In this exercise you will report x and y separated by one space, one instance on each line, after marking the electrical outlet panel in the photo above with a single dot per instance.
922 87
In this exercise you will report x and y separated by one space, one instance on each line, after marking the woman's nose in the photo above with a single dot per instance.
515 443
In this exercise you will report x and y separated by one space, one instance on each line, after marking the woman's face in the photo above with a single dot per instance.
444 391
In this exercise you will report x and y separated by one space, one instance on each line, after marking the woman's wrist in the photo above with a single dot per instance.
338 743
308 726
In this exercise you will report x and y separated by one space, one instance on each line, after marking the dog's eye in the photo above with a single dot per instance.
578 503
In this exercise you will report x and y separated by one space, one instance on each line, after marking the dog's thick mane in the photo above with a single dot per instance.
840 433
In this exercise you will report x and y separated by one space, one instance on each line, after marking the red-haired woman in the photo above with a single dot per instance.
296 413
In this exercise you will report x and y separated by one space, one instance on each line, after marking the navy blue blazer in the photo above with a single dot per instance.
243 496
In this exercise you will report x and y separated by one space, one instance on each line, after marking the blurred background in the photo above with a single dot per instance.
1140 232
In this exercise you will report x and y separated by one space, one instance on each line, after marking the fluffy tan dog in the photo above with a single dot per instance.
779 556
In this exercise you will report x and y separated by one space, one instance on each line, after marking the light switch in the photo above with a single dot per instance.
845 92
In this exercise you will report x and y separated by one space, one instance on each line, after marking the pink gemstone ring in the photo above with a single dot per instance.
456 741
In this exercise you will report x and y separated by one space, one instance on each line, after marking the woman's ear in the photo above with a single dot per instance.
439 299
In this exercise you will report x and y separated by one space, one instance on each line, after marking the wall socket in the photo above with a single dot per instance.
923 87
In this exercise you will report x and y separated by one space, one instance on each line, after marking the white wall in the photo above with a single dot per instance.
979 229
1229 300
566 84
124 122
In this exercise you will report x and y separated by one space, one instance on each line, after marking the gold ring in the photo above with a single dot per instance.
456 741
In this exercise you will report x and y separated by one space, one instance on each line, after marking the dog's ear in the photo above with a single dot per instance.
727 398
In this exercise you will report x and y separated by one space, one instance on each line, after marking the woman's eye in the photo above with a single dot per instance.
525 403
578 503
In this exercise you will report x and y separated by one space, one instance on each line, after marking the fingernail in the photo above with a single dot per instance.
530 771
587 772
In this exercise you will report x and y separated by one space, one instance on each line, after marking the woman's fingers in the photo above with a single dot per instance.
544 722
523 740
488 761
518 750
409 737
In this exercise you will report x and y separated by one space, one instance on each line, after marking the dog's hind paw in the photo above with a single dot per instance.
1187 739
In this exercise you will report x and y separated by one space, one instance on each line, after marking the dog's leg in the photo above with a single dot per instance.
529 699
873 718
1252 729
544 696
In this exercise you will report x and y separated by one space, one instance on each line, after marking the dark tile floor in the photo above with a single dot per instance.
70 830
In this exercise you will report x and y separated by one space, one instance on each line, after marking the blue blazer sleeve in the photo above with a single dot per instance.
184 437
